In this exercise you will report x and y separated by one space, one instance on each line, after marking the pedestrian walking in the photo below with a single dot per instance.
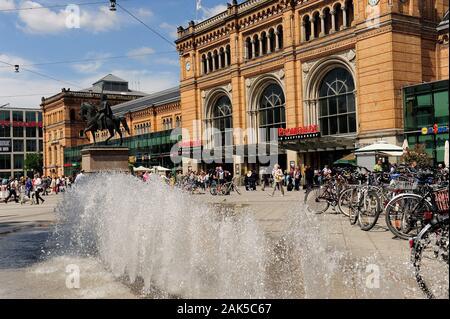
278 177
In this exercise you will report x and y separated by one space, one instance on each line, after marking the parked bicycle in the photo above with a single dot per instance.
225 188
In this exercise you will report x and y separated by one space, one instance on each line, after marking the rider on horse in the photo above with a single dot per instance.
104 112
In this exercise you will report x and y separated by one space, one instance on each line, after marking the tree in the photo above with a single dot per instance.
419 155
34 162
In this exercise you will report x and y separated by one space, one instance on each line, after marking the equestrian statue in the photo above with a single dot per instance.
102 119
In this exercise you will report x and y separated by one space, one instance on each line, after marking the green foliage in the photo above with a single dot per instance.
34 162
419 155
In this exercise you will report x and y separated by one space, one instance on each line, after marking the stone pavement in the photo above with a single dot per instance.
15 217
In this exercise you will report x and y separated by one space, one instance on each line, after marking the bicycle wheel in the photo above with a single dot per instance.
404 215
315 202
369 210
345 200
213 190
429 256
353 207
236 189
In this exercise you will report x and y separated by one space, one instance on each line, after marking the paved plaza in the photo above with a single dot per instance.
274 215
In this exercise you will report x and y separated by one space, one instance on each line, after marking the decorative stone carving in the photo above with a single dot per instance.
351 55
306 67
229 88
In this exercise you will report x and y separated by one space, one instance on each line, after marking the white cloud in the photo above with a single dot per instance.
141 54
170 28
91 66
149 81
46 21
13 84
144 13
7 5
167 61
210 12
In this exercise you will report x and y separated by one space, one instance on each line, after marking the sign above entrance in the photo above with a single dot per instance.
298 133
434 130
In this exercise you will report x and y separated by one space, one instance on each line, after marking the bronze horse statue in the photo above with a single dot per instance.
91 115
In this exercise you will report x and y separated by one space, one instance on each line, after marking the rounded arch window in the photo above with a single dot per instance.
271 110
337 112
72 115
222 121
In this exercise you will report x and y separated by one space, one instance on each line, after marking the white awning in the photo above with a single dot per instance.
380 147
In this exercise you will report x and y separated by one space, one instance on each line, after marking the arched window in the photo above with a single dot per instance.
216 60
338 17
248 44
271 110
280 37
257 52
222 58
317 24
264 43
228 55
337 112
72 115
327 17
307 26
204 64
222 122
272 40
350 12
178 121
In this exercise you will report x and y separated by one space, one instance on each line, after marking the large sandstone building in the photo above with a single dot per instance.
336 66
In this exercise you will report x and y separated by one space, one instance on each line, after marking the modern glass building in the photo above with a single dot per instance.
20 134
426 117
151 149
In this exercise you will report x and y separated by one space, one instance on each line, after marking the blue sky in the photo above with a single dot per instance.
30 37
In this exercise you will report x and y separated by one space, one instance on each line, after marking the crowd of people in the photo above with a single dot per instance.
27 189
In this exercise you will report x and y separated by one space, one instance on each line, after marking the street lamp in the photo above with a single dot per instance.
112 6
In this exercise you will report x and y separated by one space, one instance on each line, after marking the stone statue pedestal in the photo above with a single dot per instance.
104 158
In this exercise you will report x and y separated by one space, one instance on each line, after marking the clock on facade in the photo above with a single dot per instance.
373 2
188 66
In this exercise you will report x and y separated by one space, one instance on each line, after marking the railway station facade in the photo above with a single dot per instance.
332 69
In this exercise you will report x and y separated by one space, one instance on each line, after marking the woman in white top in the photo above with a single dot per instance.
38 189
278 177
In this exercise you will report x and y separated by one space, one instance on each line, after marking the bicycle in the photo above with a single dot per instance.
407 214
429 257
225 188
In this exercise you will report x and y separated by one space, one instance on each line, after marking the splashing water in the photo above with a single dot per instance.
170 244
152 232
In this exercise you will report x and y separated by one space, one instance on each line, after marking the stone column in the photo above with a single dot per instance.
344 17
268 43
303 31
226 58
213 60
312 28
333 21
277 42
322 25
253 48
207 66
246 51
220 60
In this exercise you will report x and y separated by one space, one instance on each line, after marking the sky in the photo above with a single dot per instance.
112 42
